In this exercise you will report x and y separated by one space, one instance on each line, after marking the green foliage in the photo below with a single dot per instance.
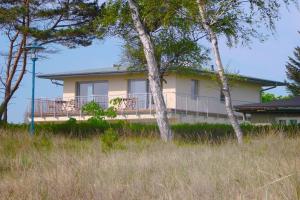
183 132
109 140
268 97
293 73
97 112
241 21
169 30
65 22
42 142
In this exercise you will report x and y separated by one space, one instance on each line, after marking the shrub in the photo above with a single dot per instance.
109 139
97 112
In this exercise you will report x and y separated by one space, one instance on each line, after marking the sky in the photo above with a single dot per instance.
262 60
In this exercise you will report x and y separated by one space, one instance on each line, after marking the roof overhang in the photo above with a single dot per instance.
291 105
122 71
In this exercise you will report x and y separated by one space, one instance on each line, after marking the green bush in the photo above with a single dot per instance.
97 112
109 139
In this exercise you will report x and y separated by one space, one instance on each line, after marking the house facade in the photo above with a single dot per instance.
189 97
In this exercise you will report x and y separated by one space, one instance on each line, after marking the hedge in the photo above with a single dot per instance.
191 132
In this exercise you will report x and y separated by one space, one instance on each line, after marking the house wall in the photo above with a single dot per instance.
273 118
209 94
177 91
118 86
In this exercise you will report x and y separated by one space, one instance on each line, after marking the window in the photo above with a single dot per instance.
293 122
195 89
282 122
139 89
222 96
137 86
93 91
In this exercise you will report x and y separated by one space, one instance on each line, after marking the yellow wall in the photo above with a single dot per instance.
175 85
117 86
209 94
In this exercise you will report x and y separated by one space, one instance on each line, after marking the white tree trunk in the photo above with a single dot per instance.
225 88
153 74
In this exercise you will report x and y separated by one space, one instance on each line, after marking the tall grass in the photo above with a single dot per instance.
58 167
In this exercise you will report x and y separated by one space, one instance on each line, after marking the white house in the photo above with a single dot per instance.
193 96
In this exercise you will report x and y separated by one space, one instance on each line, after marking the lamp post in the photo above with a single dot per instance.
33 49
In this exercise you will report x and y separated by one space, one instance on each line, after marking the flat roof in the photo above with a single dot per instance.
124 70
284 105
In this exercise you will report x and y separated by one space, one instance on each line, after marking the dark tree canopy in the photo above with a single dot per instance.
68 22
293 73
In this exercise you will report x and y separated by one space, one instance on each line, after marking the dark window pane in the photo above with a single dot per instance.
195 89
222 96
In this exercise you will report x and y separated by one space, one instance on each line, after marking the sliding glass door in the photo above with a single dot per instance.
93 91
139 89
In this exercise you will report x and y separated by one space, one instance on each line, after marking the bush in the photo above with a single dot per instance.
97 112
109 139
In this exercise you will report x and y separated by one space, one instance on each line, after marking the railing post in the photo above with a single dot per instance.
41 107
80 112
186 104
207 105
197 106
54 109
176 103
137 104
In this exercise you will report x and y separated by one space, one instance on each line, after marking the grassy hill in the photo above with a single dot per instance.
60 167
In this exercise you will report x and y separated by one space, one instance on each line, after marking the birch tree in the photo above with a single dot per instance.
238 21
153 74
145 25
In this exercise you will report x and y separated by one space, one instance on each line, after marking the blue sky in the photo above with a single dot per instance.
262 60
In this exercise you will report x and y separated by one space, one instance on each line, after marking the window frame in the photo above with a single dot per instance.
222 96
194 89
282 122
293 122
137 79
90 82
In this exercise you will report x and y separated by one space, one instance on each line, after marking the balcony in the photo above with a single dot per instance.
133 104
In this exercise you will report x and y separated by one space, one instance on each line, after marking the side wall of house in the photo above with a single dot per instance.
209 92
273 118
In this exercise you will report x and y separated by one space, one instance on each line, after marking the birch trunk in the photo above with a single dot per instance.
153 74
225 88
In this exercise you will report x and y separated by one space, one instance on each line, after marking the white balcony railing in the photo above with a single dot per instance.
132 103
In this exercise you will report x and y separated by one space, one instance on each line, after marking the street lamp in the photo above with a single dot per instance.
33 49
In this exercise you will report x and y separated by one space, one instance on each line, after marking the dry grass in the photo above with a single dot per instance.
64 168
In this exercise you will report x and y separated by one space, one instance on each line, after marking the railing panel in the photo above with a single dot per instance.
132 102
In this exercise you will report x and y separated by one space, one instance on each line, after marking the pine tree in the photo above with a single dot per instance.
65 22
293 73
